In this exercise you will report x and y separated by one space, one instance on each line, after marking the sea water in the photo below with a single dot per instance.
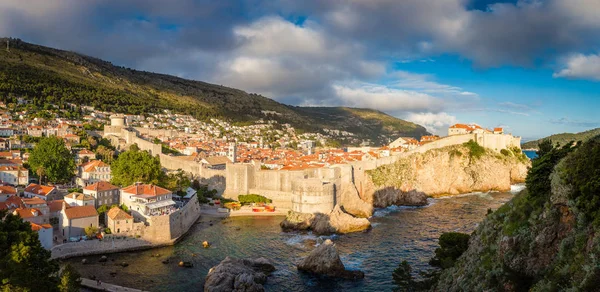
398 233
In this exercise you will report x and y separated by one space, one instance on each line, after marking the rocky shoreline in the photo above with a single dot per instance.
337 221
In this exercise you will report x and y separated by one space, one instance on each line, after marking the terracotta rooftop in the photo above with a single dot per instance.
92 165
7 190
38 189
101 186
33 201
115 213
37 227
79 197
27 212
144 189
56 205
81 212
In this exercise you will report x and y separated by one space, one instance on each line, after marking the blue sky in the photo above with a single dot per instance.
531 66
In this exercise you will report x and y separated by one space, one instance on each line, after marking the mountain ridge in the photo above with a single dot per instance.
48 75
563 138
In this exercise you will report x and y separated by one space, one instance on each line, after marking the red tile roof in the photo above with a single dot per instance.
39 189
144 189
81 212
8 190
56 205
101 186
115 213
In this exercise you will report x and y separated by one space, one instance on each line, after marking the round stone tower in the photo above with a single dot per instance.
117 120
312 196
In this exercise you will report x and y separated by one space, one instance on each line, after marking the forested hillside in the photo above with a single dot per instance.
564 138
45 75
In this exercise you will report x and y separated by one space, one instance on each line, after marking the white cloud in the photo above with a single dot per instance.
436 123
281 59
380 97
580 66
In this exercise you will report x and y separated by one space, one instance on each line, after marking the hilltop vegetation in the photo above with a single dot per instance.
563 138
45 75
546 238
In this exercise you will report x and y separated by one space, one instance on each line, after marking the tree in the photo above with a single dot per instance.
177 181
55 159
24 264
91 231
452 246
136 166
70 280
544 147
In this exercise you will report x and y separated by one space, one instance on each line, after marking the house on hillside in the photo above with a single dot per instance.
93 171
14 175
85 155
79 199
119 221
144 200
215 162
73 221
44 232
7 192
407 143
461 129
104 193
39 191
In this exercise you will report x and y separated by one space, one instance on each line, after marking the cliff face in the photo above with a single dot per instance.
547 238
446 171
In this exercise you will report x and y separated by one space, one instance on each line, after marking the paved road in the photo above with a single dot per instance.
105 286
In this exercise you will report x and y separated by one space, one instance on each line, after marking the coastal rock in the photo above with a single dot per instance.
238 275
325 260
352 202
343 222
337 221
445 171
297 221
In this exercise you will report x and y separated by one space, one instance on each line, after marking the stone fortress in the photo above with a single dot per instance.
122 137
312 190
318 190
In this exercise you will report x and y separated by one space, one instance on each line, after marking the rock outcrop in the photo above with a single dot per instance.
337 221
325 260
445 171
238 275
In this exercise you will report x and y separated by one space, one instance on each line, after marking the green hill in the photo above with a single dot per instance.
564 138
46 75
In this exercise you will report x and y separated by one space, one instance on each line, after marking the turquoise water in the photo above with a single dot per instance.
530 154
398 233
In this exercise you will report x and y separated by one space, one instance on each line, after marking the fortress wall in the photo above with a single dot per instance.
156 132
168 228
279 198
312 196
240 180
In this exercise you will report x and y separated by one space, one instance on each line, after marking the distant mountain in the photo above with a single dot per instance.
47 75
564 138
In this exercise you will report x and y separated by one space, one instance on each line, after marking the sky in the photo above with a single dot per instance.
530 66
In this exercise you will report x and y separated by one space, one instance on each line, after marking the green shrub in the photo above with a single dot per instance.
253 198
582 171
455 152
475 150
452 246
107 231
505 152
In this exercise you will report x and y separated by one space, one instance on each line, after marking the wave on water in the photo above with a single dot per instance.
299 240
382 212
517 188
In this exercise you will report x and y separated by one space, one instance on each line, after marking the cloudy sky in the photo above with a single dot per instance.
531 66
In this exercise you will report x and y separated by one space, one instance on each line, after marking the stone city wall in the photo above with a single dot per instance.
285 188
168 228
